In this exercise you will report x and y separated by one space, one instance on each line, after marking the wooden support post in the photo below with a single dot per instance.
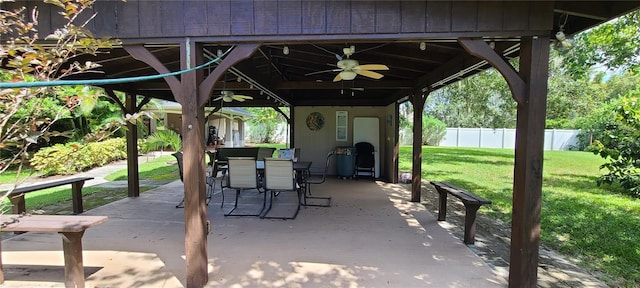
529 89
396 145
133 179
527 185
193 165
417 99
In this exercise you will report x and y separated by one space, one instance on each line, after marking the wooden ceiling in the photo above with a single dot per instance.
303 76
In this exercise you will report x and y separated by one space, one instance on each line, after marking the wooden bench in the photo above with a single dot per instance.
471 203
17 195
70 228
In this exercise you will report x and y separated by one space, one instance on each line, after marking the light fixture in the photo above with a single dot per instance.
492 45
423 45
219 52
563 42
239 79
285 50
348 75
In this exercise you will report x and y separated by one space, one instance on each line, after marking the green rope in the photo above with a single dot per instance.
105 81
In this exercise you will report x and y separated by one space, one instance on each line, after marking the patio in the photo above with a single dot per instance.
371 236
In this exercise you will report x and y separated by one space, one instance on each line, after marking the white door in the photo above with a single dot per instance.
367 129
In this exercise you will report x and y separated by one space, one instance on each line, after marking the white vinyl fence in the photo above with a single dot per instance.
554 139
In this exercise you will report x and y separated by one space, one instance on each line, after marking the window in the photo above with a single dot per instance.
341 125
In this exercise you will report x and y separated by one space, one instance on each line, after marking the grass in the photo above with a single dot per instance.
598 226
9 176
57 200
156 169
273 145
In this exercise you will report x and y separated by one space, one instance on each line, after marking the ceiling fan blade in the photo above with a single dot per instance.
323 71
337 78
370 74
217 98
242 97
373 67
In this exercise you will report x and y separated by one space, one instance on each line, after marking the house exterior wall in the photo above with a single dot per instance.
314 145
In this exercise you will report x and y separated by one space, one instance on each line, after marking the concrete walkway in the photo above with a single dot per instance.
370 237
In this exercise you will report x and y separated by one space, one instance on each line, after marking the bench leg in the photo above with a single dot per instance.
470 223
76 196
442 207
19 205
73 266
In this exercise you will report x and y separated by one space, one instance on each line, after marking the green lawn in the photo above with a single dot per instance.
156 169
597 225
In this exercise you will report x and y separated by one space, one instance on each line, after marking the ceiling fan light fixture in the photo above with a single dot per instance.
348 75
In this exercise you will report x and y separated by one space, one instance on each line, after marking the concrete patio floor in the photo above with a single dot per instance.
371 236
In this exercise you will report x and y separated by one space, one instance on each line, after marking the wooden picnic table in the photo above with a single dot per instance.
70 228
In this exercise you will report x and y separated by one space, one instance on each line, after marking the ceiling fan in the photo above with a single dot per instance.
350 68
228 96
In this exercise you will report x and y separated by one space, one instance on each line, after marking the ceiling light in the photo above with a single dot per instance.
219 52
492 45
423 45
563 43
285 50
348 75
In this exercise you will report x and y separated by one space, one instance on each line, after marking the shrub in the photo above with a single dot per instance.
162 139
65 159
621 147
433 131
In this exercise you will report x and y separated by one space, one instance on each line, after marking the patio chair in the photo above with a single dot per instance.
279 176
242 175
211 183
365 160
317 179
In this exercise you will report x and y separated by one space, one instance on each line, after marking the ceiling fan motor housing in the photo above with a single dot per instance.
347 64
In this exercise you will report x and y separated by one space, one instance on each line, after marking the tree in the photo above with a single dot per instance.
264 125
26 116
483 100
612 46
621 147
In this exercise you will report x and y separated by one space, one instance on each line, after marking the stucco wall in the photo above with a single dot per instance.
315 145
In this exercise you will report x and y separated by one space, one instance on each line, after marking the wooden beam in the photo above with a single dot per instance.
115 99
286 117
141 53
239 53
527 185
477 47
417 100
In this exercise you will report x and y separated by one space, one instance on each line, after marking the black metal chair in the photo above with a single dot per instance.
317 179
365 159
279 176
242 175
211 183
